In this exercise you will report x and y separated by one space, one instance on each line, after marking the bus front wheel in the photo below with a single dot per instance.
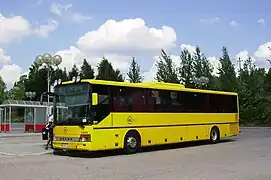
214 135
132 142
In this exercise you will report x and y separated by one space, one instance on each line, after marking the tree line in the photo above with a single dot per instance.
252 83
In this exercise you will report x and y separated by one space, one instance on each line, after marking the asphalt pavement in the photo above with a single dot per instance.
247 156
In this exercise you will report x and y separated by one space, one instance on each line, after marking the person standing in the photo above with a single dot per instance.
50 130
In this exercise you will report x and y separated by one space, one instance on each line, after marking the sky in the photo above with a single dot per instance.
120 30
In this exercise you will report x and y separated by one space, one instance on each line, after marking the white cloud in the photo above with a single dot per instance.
261 21
242 55
127 36
214 61
118 41
71 56
78 17
263 52
59 9
234 23
16 27
4 59
63 10
13 28
190 48
208 21
10 73
45 29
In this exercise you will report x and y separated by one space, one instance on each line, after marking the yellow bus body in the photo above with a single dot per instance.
154 128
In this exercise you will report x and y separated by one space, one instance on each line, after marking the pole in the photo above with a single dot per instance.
9 118
5 119
34 119
48 88
1 118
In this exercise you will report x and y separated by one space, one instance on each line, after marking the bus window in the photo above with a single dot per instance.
129 99
195 102
223 103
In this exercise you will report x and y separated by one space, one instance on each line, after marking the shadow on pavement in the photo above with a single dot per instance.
108 153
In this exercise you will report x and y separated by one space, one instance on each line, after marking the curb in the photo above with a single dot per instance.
16 136
27 154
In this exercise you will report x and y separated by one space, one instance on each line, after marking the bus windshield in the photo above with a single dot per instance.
72 104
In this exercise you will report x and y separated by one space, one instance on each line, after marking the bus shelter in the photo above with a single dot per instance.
23 116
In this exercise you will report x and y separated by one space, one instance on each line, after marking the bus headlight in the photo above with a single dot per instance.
85 138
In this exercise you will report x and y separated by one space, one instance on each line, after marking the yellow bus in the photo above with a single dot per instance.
92 115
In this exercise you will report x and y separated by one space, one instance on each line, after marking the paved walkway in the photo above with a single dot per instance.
22 144
24 149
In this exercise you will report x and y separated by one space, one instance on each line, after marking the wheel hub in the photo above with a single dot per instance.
131 142
214 135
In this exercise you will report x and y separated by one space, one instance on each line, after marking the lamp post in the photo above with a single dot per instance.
30 95
48 61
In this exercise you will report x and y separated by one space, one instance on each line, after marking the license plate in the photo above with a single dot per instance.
64 145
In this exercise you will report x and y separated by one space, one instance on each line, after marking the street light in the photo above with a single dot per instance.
48 60
30 95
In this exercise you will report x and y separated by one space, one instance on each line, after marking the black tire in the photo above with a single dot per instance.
132 142
214 135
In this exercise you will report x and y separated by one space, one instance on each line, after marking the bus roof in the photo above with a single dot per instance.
153 85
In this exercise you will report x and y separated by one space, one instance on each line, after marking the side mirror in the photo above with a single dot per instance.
94 99
45 93
41 98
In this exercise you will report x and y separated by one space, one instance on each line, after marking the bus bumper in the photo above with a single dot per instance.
74 146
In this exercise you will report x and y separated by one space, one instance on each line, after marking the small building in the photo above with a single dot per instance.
23 116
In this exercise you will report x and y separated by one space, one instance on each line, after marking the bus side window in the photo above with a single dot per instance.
151 100
138 100
126 99
176 103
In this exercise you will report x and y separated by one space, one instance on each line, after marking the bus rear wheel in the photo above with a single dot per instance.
214 135
132 142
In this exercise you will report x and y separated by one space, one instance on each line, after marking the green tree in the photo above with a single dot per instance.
74 72
87 72
59 74
186 68
17 92
198 63
107 72
202 68
134 72
37 80
166 70
227 75
119 76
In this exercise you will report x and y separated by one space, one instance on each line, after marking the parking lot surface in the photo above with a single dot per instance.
247 156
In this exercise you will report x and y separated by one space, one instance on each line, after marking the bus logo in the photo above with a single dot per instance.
129 120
